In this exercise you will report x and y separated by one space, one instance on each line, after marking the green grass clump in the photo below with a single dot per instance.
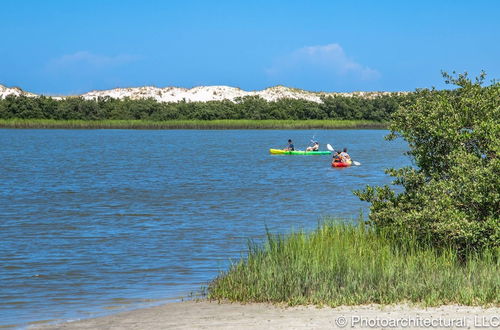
191 124
342 264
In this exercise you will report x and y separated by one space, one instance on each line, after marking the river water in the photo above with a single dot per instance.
97 221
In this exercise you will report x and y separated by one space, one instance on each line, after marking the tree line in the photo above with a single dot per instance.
379 108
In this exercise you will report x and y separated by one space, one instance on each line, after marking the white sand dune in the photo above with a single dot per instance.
15 91
199 94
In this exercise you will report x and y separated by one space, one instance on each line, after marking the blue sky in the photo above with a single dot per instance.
69 47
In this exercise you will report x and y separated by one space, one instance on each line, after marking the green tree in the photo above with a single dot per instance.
249 107
452 196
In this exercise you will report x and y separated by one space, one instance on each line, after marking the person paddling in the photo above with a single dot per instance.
290 146
345 156
315 147
337 158
341 157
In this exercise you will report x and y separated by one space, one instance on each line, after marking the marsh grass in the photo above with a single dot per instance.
342 264
191 124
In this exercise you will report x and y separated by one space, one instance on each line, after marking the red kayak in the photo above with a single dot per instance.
341 164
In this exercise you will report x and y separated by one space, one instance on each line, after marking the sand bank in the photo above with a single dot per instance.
212 315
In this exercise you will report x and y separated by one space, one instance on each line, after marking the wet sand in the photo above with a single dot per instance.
213 315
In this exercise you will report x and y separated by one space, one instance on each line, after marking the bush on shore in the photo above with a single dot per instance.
452 196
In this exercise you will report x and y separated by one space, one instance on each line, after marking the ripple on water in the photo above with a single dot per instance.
93 220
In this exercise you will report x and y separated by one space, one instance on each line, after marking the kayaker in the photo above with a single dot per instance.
290 146
337 158
345 156
315 147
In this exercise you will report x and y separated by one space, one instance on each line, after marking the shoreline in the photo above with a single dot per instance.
203 314
190 124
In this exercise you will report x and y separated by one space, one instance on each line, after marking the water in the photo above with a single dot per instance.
97 220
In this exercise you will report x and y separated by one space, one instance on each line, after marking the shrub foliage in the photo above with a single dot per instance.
452 195
378 108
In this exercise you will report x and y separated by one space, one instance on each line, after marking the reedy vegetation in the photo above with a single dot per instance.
343 264
192 124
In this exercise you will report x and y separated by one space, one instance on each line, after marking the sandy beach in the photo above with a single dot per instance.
213 315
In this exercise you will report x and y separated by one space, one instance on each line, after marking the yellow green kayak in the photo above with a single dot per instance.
298 152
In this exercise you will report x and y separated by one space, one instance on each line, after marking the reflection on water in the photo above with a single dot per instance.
91 220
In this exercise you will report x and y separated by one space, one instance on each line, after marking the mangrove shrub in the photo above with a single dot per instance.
339 107
452 194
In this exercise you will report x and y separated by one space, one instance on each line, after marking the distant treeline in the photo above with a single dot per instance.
378 108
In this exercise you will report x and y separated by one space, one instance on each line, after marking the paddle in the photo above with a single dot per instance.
329 147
